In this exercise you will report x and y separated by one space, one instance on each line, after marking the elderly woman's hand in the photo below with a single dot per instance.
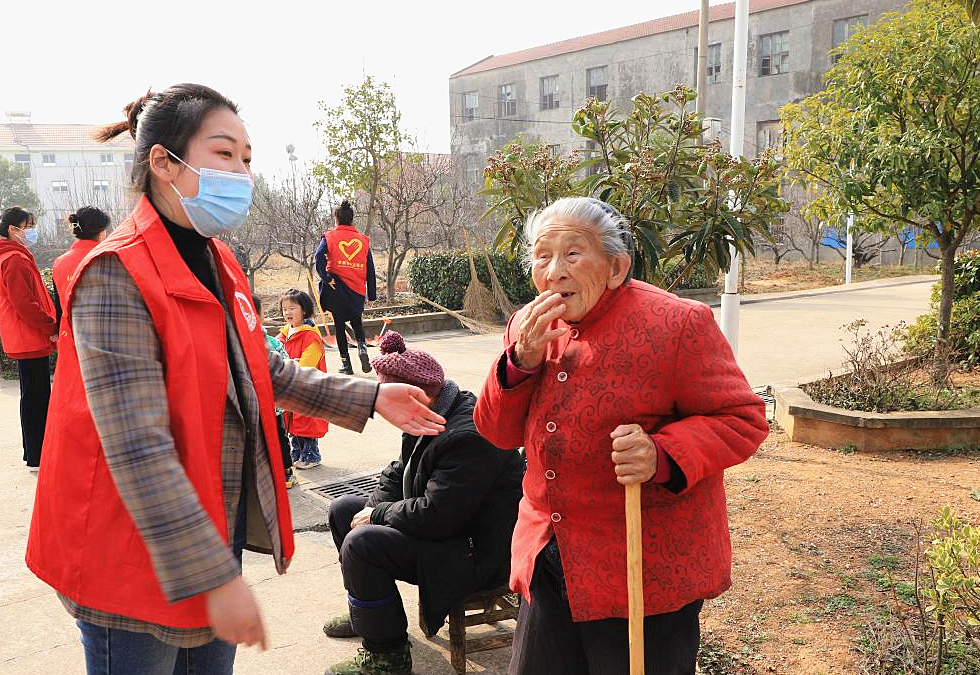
634 454
533 334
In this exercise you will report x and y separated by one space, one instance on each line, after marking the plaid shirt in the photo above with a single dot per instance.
120 357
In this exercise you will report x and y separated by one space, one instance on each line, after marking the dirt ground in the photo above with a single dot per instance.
762 276
813 531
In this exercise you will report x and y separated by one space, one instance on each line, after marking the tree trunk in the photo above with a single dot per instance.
251 279
390 267
945 300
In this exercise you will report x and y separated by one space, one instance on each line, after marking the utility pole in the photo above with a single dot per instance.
702 79
729 299
850 249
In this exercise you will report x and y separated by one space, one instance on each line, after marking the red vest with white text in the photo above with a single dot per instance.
83 541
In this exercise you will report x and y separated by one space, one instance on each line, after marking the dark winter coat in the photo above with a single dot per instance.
460 503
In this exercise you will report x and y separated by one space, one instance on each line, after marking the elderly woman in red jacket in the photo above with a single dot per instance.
608 381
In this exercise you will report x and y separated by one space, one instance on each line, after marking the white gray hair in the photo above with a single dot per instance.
610 225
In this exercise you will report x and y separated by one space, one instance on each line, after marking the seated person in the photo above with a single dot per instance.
441 517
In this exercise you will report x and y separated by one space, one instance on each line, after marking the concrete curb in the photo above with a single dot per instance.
832 290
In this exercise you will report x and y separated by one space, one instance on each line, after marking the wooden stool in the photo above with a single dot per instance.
485 607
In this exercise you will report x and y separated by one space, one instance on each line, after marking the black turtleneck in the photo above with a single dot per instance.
193 249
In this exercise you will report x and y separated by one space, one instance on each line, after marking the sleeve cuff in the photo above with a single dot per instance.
662 474
514 374
378 513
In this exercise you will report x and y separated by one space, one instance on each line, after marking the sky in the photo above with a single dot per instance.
78 62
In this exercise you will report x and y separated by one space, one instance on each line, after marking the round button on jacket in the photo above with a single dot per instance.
549 474
562 376
551 426
555 517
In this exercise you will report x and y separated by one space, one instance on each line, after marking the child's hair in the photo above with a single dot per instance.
88 222
344 213
15 216
301 298
257 304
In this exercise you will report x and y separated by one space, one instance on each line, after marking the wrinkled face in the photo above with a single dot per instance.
292 313
568 258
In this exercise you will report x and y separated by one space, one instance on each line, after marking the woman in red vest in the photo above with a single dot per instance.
607 381
27 326
88 224
162 453
346 268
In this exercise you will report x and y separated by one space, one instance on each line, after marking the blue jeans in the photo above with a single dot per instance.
304 449
111 651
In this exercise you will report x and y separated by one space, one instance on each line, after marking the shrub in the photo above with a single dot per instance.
443 277
938 634
700 277
964 325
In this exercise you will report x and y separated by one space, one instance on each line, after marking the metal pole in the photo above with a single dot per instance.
702 79
850 249
729 299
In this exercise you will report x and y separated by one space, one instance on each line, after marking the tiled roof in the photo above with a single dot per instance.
44 136
638 30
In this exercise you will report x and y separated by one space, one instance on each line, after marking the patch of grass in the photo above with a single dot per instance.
715 659
751 479
847 449
884 562
800 574
839 603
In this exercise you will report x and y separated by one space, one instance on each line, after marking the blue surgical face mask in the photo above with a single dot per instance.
222 203
30 237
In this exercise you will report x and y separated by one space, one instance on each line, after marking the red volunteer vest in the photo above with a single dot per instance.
19 339
82 540
296 424
65 264
347 253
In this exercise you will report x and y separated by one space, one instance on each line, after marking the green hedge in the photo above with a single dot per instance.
443 277
700 276
964 324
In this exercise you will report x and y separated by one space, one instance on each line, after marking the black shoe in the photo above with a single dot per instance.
345 367
339 627
365 361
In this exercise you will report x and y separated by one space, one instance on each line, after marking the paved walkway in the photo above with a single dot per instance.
783 337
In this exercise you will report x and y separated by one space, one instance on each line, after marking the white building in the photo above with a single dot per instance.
68 168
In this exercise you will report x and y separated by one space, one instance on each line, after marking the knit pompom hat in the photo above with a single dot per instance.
411 366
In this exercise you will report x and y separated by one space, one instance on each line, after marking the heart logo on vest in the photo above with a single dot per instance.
351 248
245 307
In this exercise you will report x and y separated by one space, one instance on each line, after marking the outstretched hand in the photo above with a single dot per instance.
405 407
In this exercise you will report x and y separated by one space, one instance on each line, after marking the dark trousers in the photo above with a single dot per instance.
548 641
284 444
341 333
35 392
372 557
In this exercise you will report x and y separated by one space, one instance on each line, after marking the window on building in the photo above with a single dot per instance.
48 160
506 101
100 186
106 159
59 186
714 62
555 150
596 82
128 159
470 105
590 153
25 162
769 134
474 170
549 92
774 52
843 28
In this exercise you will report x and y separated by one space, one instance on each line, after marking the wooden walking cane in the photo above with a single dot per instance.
634 577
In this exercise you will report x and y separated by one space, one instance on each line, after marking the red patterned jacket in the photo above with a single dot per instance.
641 355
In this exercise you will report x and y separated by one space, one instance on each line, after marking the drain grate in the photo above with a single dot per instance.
360 486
